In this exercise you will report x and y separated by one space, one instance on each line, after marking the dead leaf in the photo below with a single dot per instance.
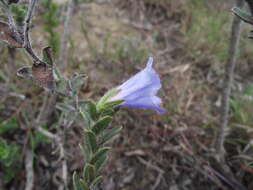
42 74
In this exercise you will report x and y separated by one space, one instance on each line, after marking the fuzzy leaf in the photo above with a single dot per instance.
101 124
76 184
109 134
100 162
84 185
96 181
89 172
92 109
101 153
91 140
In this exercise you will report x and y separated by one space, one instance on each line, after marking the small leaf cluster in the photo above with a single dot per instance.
9 154
97 131
51 21
19 13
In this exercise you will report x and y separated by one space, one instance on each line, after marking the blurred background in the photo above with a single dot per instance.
110 40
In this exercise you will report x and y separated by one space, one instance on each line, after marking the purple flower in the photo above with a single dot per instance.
140 90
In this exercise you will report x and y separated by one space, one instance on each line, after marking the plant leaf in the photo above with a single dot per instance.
76 183
91 140
101 124
109 134
101 153
96 181
89 173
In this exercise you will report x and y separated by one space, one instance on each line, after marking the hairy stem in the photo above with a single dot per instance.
228 80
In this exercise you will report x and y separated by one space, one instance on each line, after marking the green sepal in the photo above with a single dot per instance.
101 153
246 17
100 162
91 140
101 124
89 173
113 104
102 101
96 181
109 134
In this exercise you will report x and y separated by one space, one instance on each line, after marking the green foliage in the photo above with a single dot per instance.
36 138
208 32
96 132
8 125
51 21
19 13
9 155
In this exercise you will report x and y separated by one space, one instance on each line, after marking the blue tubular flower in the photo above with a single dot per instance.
140 90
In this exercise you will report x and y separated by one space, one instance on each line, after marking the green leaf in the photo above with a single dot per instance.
86 117
96 181
84 185
106 112
8 125
91 141
101 153
109 134
246 17
92 109
100 162
76 183
101 124
89 173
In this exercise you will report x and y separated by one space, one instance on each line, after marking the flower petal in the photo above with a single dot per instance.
144 79
151 102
